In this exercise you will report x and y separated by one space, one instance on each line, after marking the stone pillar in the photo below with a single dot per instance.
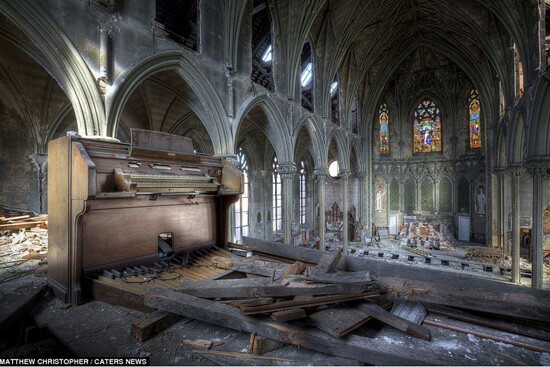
345 207
499 238
363 207
537 238
515 175
320 175
287 172
40 163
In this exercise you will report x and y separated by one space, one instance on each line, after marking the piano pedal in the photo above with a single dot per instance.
108 274
128 272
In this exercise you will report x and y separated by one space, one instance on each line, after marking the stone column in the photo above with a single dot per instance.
500 240
40 163
320 175
537 238
345 207
515 178
363 208
287 172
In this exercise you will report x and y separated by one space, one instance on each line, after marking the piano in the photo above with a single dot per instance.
117 206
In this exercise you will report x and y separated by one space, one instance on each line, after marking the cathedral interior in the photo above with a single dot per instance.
350 120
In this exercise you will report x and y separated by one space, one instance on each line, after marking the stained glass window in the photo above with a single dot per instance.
474 125
427 127
384 129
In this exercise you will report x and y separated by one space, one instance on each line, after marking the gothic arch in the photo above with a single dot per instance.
275 129
516 140
211 108
65 63
538 142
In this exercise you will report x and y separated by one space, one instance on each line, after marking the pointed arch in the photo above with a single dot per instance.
275 129
516 139
539 129
63 61
210 108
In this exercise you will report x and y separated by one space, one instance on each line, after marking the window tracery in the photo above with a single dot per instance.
474 119
383 121
427 127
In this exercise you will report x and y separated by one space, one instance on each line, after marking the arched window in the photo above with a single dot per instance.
383 120
335 101
277 197
306 77
303 192
474 112
262 45
427 127
241 207
518 73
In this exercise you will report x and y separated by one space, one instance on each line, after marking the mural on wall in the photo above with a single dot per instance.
381 192
480 200
427 127
475 110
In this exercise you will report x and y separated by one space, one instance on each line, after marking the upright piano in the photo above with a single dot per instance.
117 206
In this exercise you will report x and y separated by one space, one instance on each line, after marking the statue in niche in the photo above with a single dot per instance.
480 200
380 197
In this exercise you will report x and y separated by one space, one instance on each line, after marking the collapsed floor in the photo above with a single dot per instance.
200 320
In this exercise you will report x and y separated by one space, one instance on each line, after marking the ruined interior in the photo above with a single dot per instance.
409 139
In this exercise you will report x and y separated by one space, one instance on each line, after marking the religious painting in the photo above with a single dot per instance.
384 129
427 127
380 194
474 121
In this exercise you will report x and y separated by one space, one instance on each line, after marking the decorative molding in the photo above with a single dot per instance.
286 170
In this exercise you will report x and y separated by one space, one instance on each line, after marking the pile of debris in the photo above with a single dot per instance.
23 244
306 301
433 236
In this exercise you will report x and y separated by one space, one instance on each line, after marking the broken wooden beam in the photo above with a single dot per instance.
448 324
290 314
328 263
316 301
511 327
260 345
151 324
251 287
380 314
429 285
374 351
338 321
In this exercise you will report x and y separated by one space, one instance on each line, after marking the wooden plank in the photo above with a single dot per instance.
429 285
114 295
20 225
199 344
250 288
260 345
290 314
379 313
452 325
338 321
297 268
328 263
256 267
492 323
341 277
412 311
239 355
317 301
375 351
151 324
15 305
